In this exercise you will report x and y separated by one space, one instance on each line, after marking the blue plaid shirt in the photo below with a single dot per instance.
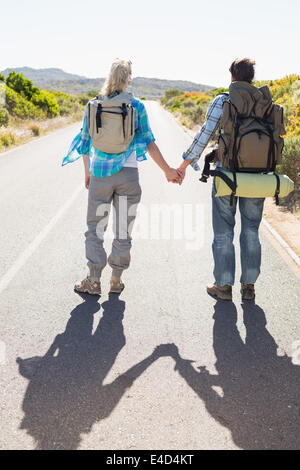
213 116
106 164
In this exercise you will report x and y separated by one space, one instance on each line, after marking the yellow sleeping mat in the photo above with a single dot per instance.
254 185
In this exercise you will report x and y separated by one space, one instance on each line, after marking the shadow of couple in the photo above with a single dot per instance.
255 393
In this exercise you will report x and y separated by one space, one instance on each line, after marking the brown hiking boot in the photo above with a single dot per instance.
221 293
248 292
116 286
88 286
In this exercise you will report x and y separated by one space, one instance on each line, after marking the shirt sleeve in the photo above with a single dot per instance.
206 132
85 135
143 124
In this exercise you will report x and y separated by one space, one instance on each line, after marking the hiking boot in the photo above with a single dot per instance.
221 293
248 292
116 286
88 286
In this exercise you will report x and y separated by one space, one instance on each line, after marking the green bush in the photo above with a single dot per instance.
92 93
4 117
176 105
19 107
188 104
170 94
291 160
2 78
47 102
218 91
197 114
21 85
83 99
67 103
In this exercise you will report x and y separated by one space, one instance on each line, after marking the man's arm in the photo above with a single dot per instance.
213 115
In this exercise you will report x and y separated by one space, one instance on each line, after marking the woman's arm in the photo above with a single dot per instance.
86 170
85 147
155 154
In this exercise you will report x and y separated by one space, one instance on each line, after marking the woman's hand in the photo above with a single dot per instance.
155 153
172 175
87 180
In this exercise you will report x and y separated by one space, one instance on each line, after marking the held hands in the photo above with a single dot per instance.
174 176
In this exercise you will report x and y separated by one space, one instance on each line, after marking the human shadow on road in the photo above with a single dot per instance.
66 394
260 399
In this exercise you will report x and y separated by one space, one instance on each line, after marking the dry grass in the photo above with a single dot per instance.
20 131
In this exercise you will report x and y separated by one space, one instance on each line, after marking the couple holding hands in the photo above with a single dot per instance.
115 137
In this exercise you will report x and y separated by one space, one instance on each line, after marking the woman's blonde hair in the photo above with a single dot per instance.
119 77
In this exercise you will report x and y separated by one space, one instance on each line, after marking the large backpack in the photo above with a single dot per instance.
251 127
111 122
250 139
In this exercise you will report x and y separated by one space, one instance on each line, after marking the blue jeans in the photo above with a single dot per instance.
223 249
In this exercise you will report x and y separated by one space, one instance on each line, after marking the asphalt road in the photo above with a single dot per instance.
162 367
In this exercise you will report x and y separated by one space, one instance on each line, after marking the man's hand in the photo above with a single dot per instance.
87 180
181 172
182 169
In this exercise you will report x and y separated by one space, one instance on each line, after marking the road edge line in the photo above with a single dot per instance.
36 242
282 242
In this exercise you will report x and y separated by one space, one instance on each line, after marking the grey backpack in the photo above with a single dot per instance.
111 122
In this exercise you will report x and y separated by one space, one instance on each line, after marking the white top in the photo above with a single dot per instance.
131 162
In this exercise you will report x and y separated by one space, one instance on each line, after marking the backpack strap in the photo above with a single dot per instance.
98 117
132 115
234 189
220 174
206 170
124 115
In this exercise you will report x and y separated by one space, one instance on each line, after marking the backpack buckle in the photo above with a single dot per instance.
124 110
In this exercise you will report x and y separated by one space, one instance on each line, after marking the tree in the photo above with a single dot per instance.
18 83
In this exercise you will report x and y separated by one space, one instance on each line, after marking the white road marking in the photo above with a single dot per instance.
32 247
280 240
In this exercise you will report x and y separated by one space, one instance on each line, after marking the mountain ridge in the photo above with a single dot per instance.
57 79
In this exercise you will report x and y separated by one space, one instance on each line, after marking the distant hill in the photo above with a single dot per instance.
58 80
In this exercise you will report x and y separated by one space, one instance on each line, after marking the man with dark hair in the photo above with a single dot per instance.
242 70
224 208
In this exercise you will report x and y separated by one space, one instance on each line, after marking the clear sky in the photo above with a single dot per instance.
187 39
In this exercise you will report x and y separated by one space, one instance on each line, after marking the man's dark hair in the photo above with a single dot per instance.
243 70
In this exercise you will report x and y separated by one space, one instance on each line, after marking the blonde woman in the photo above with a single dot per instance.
113 178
